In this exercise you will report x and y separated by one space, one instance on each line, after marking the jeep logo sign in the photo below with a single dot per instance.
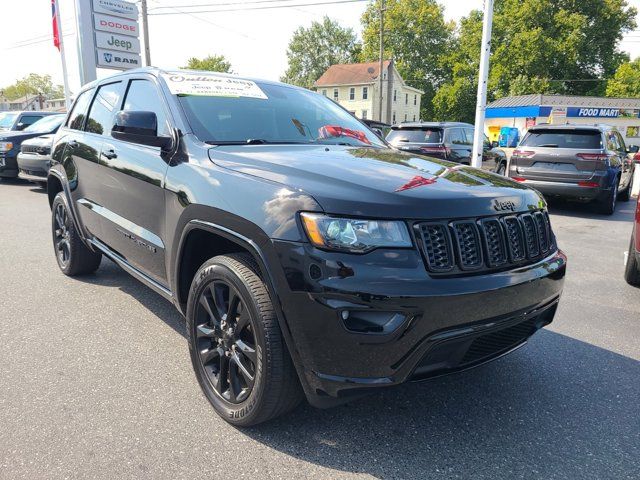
504 205
113 41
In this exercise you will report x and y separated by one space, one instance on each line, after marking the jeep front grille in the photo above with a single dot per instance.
481 244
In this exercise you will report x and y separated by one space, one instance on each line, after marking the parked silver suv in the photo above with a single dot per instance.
587 163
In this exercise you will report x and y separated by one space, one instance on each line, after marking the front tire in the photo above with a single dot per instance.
237 350
73 256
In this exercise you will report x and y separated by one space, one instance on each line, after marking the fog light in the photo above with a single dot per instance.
362 321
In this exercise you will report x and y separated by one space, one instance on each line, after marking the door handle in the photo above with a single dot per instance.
110 154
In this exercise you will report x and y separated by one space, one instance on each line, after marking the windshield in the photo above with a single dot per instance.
286 115
415 135
7 119
46 124
563 138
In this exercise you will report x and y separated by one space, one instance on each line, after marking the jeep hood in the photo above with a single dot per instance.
377 182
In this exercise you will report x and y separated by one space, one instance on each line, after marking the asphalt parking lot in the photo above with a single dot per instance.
95 382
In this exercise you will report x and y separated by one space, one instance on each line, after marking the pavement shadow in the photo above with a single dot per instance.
111 275
519 417
557 408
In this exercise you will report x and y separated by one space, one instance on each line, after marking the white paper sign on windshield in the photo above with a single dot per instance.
212 86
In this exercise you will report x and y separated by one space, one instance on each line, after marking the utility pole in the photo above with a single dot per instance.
382 10
481 107
145 32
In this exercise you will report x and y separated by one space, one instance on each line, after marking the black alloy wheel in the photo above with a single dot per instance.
61 235
226 342
74 257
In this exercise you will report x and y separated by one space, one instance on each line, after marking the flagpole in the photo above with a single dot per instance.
65 78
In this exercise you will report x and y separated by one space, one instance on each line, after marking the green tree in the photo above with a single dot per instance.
314 49
33 84
211 63
417 37
626 81
539 46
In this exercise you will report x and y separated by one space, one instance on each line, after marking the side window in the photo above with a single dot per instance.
27 120
612 141
79 110
622 147
468 134
105 104
143 96
455 136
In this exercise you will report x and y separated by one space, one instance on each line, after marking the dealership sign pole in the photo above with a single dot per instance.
108 36
478 137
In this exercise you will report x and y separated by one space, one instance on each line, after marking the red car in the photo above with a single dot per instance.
632 270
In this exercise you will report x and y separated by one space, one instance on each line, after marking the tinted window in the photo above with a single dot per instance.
468 135
415 135
586 139
105 104
79 110
456 136
48 124
143 96
30 119
623 147
286 115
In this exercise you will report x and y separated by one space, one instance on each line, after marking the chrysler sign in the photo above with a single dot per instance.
116 7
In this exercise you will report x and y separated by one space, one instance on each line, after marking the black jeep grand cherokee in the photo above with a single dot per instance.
307 255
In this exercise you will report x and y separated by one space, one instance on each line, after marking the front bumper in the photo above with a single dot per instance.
33 167
8 165
439 325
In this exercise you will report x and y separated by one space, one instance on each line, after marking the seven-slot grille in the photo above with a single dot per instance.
486 244
35 149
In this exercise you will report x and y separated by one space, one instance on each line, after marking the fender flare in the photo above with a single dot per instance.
266 274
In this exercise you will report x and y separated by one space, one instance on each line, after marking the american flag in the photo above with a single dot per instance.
54 18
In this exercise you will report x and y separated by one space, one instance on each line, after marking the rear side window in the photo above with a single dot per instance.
456 136
415 135
562 138
105 104
30 119
79 110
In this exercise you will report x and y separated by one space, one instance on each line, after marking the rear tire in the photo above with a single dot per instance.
632 269
626 195
607 205
73 256
237 350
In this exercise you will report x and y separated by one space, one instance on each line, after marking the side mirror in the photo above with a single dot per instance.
494 144
139 127
633 149
378 132
21 126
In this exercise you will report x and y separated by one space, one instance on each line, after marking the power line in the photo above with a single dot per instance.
191 14
204 5
269 7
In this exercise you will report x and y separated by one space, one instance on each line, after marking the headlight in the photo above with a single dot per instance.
5 146
352 235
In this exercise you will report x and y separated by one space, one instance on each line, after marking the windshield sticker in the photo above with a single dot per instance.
212 86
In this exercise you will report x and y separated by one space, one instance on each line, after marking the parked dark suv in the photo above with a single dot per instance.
451 141
588 163
305 254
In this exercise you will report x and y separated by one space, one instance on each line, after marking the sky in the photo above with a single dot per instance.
255 42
